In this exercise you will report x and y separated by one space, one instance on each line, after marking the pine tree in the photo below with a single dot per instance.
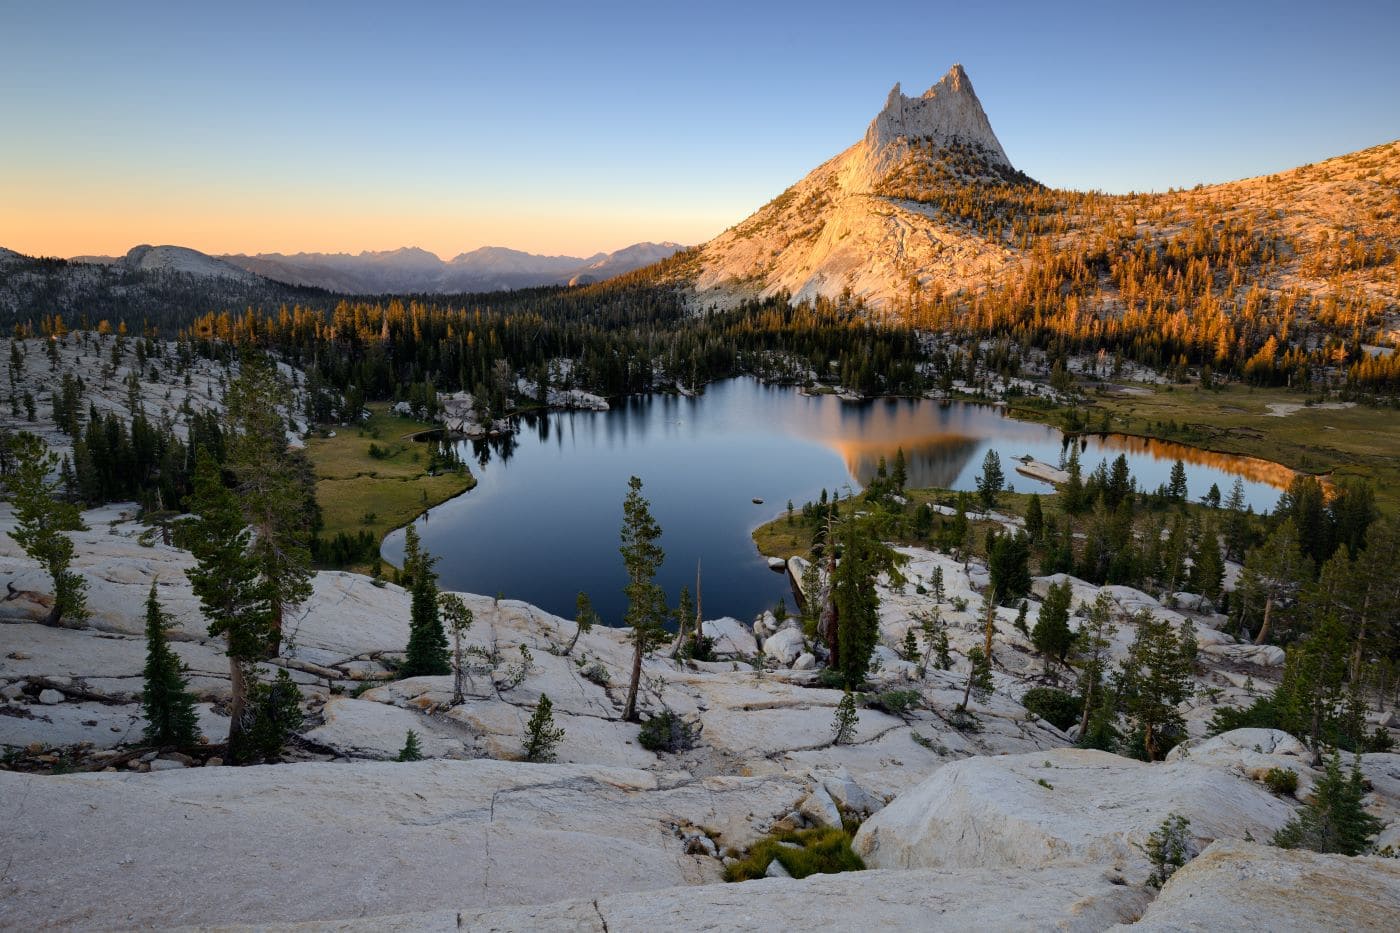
646 603
1156 678
412 750
169 709
1035 519
1208 567
1274 572
226 580
979 678
41 517
1334 820
1236 522
275 486
1051 635
584 618
1008 566
1176 486
683 614
275 715
459 619
856 630
1168 848
843 725
1094 639
900 474
541 736
1072 497
991 480
426 654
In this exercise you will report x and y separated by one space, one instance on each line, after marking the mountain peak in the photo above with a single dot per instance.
956 80
949 112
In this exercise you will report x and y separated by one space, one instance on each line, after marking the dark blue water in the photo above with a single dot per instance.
543 521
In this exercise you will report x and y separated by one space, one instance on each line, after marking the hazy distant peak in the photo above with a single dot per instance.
147 258
412 269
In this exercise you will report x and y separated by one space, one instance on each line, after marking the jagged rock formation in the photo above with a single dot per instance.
837 232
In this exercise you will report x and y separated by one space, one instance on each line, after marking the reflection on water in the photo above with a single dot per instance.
542 522
1251 468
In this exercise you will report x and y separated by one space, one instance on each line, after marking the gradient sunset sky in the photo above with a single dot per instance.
578 127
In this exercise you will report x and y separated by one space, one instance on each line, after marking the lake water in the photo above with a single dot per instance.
543 521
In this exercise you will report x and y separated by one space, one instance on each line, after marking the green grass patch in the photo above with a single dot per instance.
784 538
1361 441
820 852
793 538
374 477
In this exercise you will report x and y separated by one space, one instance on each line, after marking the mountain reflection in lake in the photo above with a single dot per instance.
542 523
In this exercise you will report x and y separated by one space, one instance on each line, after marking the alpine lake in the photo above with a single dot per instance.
543 522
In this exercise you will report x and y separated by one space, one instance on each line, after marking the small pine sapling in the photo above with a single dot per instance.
843 726
541 735
412 750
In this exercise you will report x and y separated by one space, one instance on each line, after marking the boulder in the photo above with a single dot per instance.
364 729
806 661
785 645
1236 885
1251 753
848 794
50 697
1060 807
732 637
819 808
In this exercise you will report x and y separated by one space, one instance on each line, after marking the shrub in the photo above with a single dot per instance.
596 673
1056 707
1168 848
667 732
699 648
1281 780
895 702
820 851
275 711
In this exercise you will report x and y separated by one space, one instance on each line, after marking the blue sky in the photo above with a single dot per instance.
579 127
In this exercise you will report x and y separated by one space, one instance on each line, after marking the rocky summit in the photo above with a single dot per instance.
839 232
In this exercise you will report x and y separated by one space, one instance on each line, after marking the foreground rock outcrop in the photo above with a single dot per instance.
1062 807
320 841
1246 886
1068 899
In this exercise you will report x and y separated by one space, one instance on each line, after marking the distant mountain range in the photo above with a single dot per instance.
400 271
